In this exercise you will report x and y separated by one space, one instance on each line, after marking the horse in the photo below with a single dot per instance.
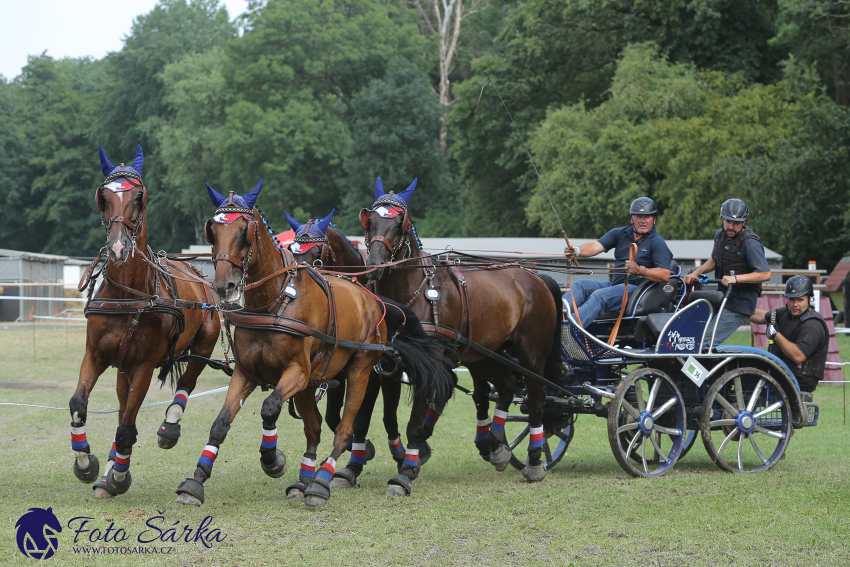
505 309
319 241
297 330
144 313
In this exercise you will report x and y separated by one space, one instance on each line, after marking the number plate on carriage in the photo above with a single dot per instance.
695 371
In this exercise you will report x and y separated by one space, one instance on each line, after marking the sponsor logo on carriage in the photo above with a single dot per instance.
678 342
119 185
388 212
38 538
301 247
668 288
227 218
38 533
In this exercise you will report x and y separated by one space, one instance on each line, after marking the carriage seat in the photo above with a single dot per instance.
715 298
650 297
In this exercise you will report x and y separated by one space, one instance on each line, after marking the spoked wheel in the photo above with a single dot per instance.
646 423
554 447
745 421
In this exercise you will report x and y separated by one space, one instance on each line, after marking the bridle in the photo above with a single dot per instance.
250 236
322 241
136 181
406 227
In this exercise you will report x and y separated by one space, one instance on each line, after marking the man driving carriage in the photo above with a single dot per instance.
798 334
651 262
738 260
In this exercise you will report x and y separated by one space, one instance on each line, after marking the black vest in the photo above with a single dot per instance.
815 365
726 259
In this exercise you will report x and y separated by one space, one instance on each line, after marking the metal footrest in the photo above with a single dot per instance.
813 412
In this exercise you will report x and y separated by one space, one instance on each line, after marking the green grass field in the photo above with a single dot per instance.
462 512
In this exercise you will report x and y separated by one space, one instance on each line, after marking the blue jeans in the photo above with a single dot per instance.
729 323
595 297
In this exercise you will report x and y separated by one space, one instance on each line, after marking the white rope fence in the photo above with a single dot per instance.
114 410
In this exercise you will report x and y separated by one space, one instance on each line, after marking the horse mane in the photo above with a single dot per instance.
339 235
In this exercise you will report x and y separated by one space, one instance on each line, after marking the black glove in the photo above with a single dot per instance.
771 325
771 333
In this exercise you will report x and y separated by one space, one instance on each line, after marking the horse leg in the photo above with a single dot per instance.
417 451
335 398
391 390
535 469
347 477
481 399
500 454
191 490
86 466
131 390
305 403
169 431
358 370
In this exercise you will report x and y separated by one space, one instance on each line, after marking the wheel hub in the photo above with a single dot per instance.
646 423
745 421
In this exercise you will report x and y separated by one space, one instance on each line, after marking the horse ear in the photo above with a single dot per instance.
105 165
292 222
379 189
251 197
139 160
407 193
208 234
364 218
325 222
215 197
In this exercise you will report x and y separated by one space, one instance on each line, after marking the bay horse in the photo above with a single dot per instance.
319 241
505 309
297 330
146 312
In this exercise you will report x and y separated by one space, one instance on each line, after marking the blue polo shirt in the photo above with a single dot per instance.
652 251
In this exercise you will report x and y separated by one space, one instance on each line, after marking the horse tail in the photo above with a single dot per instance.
554 370
421 356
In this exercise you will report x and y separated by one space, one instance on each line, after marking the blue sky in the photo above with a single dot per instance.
68 28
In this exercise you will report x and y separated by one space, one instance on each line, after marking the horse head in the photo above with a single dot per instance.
122 199
311 240
387 225
233 232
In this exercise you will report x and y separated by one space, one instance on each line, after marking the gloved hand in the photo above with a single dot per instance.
571 253
771 333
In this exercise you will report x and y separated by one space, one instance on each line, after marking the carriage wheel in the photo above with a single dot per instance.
745 421
646 423
556 441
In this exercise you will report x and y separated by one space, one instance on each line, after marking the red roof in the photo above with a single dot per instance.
768 302
836 278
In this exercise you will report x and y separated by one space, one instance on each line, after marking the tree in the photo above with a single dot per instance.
15 173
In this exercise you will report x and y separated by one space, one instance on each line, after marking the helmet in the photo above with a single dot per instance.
643 206
798 286
734 210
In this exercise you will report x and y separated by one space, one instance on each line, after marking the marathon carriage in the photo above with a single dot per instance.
658 387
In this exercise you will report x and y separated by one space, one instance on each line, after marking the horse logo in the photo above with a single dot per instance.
38 531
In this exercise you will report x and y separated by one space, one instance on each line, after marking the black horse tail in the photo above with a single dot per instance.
554 370
420 355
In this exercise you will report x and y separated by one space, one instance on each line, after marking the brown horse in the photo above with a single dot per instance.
136 322
505 309
318 241
297 330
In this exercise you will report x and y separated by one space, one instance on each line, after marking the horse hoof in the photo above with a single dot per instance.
399 486
295 491
90 474
424 454
344 478
168 435
276 469
118 487
188 499
500 458
318 493
190 492
370 451
102 493
534 473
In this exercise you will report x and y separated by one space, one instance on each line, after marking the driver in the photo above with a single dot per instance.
737 260
798 334
652 262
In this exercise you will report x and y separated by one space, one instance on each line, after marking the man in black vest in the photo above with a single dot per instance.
797 334
738 260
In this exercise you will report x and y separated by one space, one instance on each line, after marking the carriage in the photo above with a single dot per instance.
659 388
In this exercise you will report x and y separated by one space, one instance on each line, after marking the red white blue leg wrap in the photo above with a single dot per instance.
411 457
358 453
308 467
326 471
208 456
78 439
396 447
181 397
269 439
499 418
482 429
537 438
431 417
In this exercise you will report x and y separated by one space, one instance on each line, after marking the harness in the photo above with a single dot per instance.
327 249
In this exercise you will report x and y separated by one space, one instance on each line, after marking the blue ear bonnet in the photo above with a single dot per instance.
400 198
242 201
108 169
311 229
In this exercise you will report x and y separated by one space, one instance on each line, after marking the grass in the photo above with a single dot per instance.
462 512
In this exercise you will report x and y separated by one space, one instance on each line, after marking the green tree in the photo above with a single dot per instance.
15 173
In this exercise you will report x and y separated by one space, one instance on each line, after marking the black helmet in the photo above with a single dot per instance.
798 286
643 206
734 210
